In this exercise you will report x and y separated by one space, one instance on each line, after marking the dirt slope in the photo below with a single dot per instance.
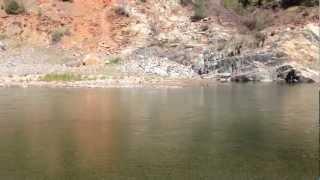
86 25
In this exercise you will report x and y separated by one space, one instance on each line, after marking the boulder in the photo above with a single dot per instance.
241 78
292 77
294 73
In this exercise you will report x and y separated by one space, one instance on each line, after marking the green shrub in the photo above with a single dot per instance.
13 7
199 10
256 22
260 39
230 4
3 36
114 60
244 3
185 2
61 77
289 3
250 23
234 4
58 34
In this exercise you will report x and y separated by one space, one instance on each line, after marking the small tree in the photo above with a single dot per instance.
244 3
199 10
185 2
288 3
13 7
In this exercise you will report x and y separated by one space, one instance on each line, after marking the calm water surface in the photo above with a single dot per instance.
224 132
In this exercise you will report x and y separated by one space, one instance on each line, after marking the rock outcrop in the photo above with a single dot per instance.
296 50
148 61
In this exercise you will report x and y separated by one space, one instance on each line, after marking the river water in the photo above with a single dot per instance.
223 132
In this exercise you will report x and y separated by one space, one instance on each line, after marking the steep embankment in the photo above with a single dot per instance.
80 24
108 39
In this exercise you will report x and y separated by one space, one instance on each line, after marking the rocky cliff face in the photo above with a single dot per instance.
288 50
158 37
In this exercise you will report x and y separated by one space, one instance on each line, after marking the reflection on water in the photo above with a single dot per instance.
225 132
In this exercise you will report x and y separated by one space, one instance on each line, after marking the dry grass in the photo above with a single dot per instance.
61 77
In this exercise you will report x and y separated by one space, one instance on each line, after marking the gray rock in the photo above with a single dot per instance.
254 66
152 61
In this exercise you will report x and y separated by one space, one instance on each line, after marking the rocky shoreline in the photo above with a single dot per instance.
153 69
227 58
111 83
115 82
